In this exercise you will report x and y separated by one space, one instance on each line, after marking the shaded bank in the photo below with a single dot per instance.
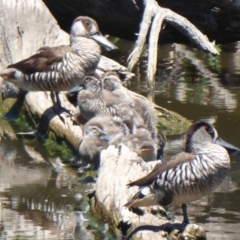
219 20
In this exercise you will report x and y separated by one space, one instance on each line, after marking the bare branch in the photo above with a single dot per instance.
153 46
153 10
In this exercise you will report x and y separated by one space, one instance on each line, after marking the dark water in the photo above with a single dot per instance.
39 199
199 86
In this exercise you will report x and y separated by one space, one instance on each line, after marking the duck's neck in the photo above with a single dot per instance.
85 46
88 50
198 137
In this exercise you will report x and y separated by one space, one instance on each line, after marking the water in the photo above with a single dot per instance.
39 199
199 86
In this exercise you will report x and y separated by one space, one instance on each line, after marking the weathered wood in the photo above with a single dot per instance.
158 14
25 27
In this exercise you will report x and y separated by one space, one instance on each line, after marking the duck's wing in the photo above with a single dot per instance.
43 60
172 163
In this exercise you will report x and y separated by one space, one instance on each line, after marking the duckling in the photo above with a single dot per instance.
93 142
112 83
148 115
142 143
94 100
98 133
111 125
161 142
63 67
188 175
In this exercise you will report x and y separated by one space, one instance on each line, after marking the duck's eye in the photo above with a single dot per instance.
94 129
210 131
87 23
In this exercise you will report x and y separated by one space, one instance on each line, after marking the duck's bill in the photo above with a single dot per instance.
105 137
98 37
230 148
75 89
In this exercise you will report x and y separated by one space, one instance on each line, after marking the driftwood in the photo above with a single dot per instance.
118 167
158 14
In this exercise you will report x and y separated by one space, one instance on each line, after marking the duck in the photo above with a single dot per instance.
98 134
189 175
93 142
112 83
63 67
148 114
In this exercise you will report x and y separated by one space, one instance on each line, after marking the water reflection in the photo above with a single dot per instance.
39 199
187 76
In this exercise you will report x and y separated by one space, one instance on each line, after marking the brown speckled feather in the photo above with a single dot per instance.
42 61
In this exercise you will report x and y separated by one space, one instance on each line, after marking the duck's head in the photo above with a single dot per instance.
92 84
87 27
111 81
203 132
94 131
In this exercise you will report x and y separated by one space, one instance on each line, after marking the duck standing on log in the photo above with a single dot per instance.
189 175
61 68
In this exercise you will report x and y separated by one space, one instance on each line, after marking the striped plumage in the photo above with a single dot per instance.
188 175
63 67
